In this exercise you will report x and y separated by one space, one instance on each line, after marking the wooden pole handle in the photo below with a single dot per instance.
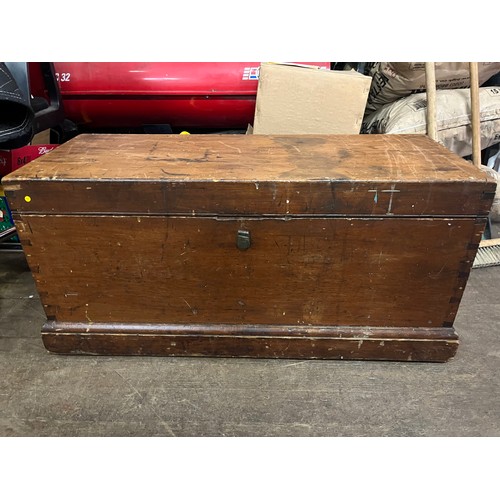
475 120
430 84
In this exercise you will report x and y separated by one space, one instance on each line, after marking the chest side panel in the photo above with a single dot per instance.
180 270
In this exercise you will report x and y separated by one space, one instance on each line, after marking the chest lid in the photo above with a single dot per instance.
251 175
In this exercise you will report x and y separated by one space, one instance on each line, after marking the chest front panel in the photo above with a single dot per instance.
319 271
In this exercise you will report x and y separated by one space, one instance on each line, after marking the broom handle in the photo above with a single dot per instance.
475 120
430 85
489 243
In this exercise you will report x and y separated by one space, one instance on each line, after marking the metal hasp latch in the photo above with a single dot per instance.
243 240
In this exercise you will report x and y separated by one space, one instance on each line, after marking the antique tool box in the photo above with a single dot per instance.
312 246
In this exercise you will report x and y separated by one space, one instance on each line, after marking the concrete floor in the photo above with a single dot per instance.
43 394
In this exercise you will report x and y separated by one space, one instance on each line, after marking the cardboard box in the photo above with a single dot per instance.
293 99
13 159
42 138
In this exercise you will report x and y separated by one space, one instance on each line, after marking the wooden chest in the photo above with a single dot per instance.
343 247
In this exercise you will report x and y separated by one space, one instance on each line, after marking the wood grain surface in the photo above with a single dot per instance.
392 344
377 272
250 175
360 247
261 199
249 158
